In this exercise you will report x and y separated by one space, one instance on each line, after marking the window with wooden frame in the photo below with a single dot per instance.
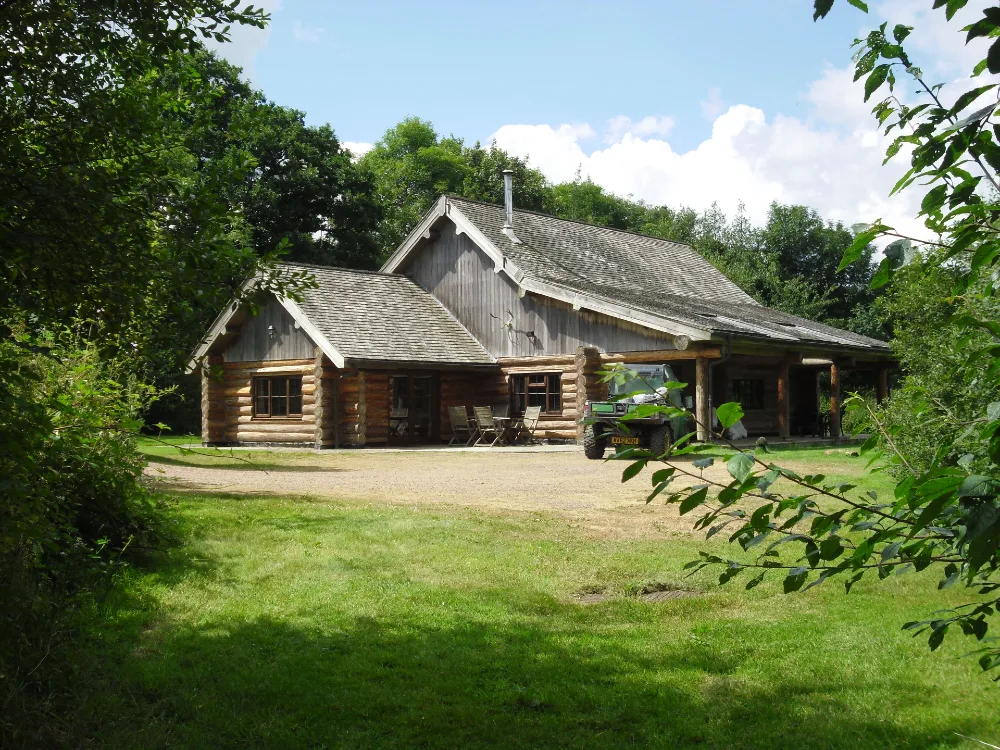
277 397
543 389
749 392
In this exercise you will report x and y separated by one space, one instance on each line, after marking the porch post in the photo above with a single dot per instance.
882 385
784 411
834 400
588 362
214 414
701 404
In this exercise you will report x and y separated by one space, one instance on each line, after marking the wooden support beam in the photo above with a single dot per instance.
834 400
784 405
703 413
882 385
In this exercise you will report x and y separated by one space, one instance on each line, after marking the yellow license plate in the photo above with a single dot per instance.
623 440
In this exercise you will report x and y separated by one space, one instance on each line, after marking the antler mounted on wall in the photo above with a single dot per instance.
508 326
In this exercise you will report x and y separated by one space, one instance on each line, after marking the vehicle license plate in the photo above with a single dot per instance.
624 440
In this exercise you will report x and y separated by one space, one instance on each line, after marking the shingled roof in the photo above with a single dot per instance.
385 317
665 281
359 317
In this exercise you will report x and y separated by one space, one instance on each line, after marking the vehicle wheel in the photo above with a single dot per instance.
659 440
594 442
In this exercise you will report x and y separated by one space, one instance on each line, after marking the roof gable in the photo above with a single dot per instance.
654 282
359 317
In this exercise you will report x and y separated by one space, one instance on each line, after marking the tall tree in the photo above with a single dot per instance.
302 193
411 166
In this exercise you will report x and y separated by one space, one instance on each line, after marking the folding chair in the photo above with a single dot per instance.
399 421
486 426
461 428
528 424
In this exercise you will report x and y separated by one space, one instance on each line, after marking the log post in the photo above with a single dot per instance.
834 400
321 411
588 383
882 384
701 404
784 405
213 401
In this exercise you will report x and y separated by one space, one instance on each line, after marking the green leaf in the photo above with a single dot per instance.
934 199
729 414
693 500
983 547
794 580
703 463
740 466
831 549
875 79
968 97
953 7
857 248
632 469
979 486
662 475
859 5
900 32
821 8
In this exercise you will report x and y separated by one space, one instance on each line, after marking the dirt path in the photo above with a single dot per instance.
588 494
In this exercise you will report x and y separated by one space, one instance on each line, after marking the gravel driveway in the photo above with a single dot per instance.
588 494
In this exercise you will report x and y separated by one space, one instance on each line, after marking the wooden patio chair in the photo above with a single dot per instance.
502 410
398 421
461 427
528 424
486 426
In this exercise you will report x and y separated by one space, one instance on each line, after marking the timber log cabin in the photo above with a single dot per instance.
483 304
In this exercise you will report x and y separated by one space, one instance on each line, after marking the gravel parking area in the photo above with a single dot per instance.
588 494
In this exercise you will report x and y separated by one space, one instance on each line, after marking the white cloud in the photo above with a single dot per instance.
713 105
304 33
357 148
747 159
246 42
829 159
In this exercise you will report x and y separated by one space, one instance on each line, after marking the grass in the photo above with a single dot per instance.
308 623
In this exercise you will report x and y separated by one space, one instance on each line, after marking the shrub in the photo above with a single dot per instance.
74 505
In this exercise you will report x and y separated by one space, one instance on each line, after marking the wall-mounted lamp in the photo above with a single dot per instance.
271 333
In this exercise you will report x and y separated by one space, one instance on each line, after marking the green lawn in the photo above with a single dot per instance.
304 623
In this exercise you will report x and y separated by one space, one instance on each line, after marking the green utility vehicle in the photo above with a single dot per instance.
655 432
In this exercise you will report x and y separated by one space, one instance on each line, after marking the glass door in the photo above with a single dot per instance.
413 406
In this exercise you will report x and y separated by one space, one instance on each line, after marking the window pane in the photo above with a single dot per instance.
295 405
555 394
261 385
537 398
295 386
279 406
260 406
279 386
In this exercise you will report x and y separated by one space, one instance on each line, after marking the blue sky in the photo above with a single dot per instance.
471 67
734 102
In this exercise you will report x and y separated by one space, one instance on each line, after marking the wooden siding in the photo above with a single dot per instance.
254 344
461 276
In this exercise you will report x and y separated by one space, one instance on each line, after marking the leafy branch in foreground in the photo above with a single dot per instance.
942 513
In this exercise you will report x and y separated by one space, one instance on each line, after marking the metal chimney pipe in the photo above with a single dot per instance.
508 198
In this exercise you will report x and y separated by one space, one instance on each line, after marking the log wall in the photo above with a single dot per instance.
550 427
240 424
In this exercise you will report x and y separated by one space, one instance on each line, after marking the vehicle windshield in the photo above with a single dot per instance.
647 380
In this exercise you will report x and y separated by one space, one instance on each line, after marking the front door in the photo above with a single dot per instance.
413 410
